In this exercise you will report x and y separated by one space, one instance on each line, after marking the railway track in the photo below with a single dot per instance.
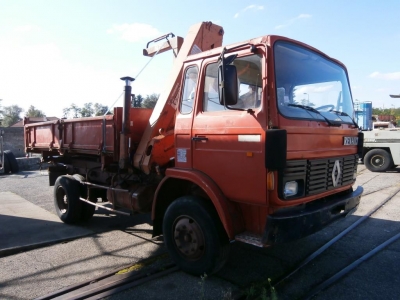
113 282
330 278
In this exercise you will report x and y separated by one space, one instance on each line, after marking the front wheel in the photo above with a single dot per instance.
378 160
194 236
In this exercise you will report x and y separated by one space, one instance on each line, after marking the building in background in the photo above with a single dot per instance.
13 138
29 120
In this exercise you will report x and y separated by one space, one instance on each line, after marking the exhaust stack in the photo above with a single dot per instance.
123 147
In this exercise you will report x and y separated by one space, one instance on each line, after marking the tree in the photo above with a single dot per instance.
100 109
33 112
87 110
1 113
1 110
150 101
137 101
382 111
73 111
306 102
11 115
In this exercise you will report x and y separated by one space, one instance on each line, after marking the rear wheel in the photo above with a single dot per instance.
194 236
66 199
378 160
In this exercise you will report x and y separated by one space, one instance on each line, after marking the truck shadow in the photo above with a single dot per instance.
394 170
41 256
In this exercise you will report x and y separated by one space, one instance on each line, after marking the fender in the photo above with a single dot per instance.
221 204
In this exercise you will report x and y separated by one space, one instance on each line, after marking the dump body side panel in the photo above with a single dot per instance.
44 135
85 135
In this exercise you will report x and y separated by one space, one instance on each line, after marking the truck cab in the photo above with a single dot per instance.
281 158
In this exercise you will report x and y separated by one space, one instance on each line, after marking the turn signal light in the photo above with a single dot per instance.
270 181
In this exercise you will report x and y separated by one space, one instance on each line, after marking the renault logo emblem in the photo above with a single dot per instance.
336 173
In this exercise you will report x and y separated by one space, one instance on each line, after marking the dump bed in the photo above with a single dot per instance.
93 135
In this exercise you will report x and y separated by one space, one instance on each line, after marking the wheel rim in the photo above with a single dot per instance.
189 238
62 200
377 160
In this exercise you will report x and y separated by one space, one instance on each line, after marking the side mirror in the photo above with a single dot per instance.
228 85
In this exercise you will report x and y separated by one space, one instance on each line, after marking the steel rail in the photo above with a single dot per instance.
335 239
114 284
132 284
350 267
111 282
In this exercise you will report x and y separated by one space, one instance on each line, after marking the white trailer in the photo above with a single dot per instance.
381 151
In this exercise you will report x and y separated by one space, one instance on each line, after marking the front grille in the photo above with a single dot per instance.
317 173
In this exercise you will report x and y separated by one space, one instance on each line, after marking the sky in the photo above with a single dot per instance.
57 52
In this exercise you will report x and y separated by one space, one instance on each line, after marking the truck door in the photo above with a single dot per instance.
228 145
184 119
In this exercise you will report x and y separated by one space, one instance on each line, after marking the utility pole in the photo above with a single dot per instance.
308 98
395 96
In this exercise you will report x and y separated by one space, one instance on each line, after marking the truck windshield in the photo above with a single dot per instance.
305 79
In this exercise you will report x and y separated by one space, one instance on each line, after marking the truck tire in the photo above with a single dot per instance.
7 166
12 161
66 199
87 209
378 160
194 236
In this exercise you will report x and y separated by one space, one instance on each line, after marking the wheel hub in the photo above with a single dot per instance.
377 161
62 200
189 238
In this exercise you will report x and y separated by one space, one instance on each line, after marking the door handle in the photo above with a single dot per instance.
199 138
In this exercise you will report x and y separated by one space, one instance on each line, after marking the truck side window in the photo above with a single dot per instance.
211 96
189 90
249 82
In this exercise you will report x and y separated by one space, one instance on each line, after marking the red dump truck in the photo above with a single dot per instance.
252 142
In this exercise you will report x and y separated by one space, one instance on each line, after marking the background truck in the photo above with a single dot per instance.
232 151
381 150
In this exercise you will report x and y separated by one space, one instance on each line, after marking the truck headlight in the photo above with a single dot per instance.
291 188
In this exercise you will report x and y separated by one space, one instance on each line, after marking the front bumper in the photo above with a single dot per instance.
287 226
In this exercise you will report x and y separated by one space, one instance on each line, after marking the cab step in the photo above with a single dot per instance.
249 238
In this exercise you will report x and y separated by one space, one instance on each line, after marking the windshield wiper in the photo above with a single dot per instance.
342 113
309 108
